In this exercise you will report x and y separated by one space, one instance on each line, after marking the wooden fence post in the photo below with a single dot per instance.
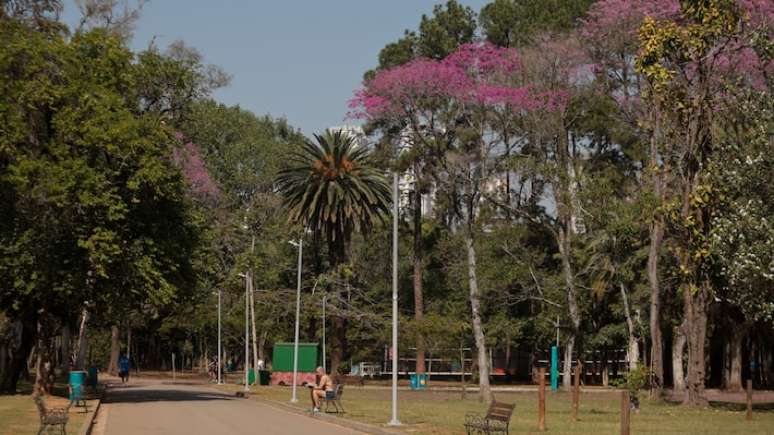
749 399
542 399
625 407
576 392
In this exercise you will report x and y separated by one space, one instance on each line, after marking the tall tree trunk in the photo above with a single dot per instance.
508 352
82 341
565 247
338 342
633 348
656 347
5 351
695 308
478 330
262 345
115 349
732 359
337 247
678 354
42 363
19 338
569 349
66 356
419 305
656 232
767 358
129 343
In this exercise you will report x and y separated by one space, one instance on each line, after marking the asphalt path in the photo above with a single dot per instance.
155 407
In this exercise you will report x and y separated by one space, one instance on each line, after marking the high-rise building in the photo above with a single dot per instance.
354 131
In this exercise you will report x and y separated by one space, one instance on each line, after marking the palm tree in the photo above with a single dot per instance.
332 188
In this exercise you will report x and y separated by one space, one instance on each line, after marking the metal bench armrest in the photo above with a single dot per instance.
497 426
475 420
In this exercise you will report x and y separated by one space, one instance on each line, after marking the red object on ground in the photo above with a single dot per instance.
286 378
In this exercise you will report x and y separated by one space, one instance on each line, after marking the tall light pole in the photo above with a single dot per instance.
247 330
325 369
248 280
395 199
220 351
300 245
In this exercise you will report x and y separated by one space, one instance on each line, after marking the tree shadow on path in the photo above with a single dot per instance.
142 395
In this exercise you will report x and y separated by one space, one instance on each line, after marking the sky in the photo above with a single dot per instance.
300 60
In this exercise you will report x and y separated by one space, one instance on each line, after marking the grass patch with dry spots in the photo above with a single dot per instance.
443 412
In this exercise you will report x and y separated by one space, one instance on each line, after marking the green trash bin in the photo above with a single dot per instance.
264 376
93 377
251 376
77 379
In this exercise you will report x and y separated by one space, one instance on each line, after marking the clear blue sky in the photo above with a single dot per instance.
289 58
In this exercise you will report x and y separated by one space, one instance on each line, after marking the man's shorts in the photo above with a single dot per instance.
330 394
123 373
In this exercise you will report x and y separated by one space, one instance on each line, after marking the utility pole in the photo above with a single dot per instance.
220 352
247 329
395 214
300 246
252 308
325 369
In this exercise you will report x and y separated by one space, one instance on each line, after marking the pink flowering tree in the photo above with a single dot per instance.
454 116
188 157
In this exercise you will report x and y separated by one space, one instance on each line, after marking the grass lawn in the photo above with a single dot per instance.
442 412
19 416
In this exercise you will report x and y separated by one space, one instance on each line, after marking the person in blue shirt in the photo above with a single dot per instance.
123 368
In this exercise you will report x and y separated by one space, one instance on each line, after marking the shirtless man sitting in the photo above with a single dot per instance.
323 388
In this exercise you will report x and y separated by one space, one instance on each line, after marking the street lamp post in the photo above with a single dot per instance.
220 351
300 245
247 330
395 198
325 369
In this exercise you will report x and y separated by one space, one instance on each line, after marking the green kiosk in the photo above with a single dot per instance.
282 363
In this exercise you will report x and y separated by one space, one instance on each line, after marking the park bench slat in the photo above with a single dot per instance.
496 420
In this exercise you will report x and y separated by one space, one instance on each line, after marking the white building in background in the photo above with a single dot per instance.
406 182
354 131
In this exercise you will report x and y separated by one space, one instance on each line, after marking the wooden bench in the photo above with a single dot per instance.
51 417
496 420
336 399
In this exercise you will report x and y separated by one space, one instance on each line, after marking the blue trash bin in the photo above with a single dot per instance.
77 379
418 381
422 381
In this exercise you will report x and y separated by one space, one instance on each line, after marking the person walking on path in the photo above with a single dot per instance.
123 368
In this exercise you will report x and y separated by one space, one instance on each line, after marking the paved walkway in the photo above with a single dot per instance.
153 407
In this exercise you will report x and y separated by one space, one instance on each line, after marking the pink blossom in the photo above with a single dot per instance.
758 13
189 159
484 59
394 90
478 73
608 21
